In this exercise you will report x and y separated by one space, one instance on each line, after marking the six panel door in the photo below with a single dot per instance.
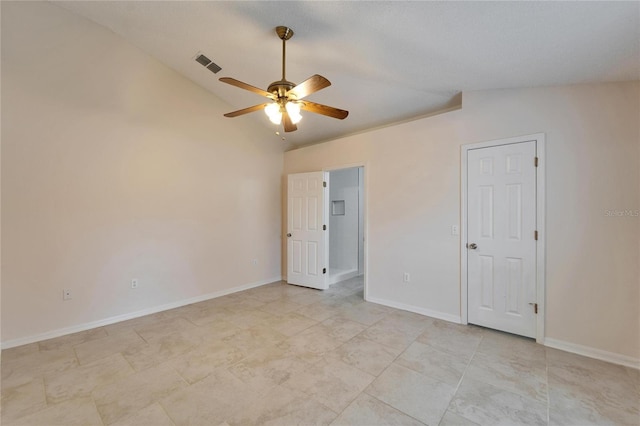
501 261
306 239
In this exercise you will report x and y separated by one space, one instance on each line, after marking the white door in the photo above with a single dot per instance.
306 235
501 237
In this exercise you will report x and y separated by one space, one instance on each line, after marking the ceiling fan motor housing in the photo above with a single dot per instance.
280 88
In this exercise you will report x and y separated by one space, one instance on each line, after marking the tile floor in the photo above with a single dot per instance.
288 355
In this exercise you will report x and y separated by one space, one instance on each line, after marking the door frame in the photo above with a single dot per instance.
540 225
365 217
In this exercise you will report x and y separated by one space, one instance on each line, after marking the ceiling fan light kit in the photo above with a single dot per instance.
286 97
273 112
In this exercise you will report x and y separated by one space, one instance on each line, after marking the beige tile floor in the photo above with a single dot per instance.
287 355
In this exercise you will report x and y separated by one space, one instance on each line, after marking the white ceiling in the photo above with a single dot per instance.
387 61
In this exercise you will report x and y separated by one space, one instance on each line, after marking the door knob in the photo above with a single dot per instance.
472 246
289 235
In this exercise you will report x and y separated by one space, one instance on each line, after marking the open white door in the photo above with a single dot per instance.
306 230
501 236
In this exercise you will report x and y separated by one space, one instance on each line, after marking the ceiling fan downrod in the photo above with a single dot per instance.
281 87
285 33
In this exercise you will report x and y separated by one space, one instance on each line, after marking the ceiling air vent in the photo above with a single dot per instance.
207 63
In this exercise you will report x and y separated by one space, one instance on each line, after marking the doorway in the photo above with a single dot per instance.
502 242
346 224
326 228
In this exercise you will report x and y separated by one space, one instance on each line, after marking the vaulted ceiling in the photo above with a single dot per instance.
388 61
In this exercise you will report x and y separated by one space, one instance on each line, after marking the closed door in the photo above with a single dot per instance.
501 237
306 234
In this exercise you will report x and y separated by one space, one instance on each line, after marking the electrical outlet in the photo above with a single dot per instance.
254 262
455 230
406 277
66 294
134 283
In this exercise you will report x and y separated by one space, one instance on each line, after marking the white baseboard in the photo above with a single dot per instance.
342 276
112 320
416 309
590 352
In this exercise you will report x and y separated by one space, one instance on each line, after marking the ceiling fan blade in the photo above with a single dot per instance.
245 86
309 86
324 110
245 110
288 124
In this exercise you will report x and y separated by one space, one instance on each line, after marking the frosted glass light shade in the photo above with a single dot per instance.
273 112
293 109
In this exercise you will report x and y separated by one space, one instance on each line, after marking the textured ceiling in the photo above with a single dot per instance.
387 61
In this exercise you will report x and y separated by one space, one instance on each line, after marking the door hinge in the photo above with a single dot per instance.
535 307
324 227
535 161
324 184
535 235
324 270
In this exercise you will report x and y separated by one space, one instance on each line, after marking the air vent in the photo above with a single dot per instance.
203 60
207 63
214 68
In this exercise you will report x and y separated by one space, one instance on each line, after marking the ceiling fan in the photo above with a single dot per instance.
287 97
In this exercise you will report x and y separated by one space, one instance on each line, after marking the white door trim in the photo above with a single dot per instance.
540 225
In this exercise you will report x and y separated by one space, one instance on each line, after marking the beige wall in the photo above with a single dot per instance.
114 167
0 190
413 197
